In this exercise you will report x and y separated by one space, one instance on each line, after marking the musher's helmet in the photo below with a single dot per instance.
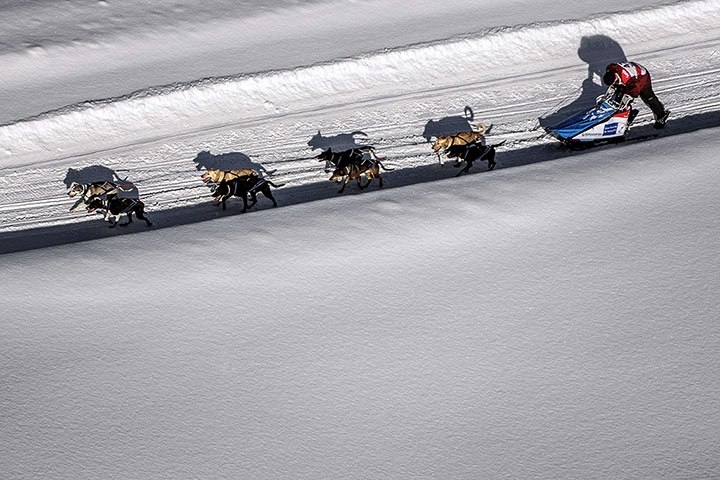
609 78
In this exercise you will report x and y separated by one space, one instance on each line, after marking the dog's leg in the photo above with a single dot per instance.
466 169
129 221
469 160
77 204
491 159
358 180
268 193
140 212
245 203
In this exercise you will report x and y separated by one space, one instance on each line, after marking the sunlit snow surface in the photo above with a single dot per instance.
555 318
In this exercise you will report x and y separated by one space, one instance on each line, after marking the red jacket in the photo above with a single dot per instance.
633 78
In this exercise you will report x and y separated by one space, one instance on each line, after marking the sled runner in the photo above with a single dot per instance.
607 121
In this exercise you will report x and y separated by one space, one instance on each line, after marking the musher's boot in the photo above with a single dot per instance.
660 122
633 114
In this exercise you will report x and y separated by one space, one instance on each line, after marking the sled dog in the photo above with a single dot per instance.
472 153
445 142
354 171
242 187
88 191
116 207
216 176
341 159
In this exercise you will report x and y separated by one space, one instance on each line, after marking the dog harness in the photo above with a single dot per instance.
131 205
236 186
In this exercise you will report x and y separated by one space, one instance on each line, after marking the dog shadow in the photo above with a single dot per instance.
597 51
449 125
226 161
339 143
99 173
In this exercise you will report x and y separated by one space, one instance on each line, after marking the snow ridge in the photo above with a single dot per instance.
183 108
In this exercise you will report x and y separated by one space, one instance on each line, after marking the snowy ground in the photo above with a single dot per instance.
554 318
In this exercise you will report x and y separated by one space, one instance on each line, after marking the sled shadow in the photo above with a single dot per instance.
340 142
597 51
449 125
226 161
99 173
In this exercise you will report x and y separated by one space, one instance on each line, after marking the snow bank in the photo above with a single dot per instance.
490 55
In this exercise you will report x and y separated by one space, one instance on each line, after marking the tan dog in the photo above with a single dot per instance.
216 176
96 189
445 142
90 191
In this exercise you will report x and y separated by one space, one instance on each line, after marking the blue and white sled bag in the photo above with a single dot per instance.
605 121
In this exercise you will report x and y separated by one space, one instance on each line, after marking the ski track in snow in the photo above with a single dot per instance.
272 120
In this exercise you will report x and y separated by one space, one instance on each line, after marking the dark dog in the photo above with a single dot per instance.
242 187
115 207
334 160
471 153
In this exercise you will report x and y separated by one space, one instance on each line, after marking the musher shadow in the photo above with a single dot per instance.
597 51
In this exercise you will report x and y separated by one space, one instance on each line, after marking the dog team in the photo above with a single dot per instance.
346 165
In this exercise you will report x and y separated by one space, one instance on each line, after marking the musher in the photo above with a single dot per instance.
633 79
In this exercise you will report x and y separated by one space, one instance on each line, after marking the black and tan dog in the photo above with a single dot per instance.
447 142
471 153
242 187
355 171
115 207
334 160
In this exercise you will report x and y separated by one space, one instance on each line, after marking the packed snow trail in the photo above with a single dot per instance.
278 121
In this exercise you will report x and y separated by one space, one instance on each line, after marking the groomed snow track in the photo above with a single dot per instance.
162 138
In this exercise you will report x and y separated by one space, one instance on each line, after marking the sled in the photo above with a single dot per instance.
607 121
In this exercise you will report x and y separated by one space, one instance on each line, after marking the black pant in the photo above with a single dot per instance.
648 96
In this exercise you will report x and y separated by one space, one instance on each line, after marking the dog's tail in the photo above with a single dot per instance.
274 185
383 166
499 144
